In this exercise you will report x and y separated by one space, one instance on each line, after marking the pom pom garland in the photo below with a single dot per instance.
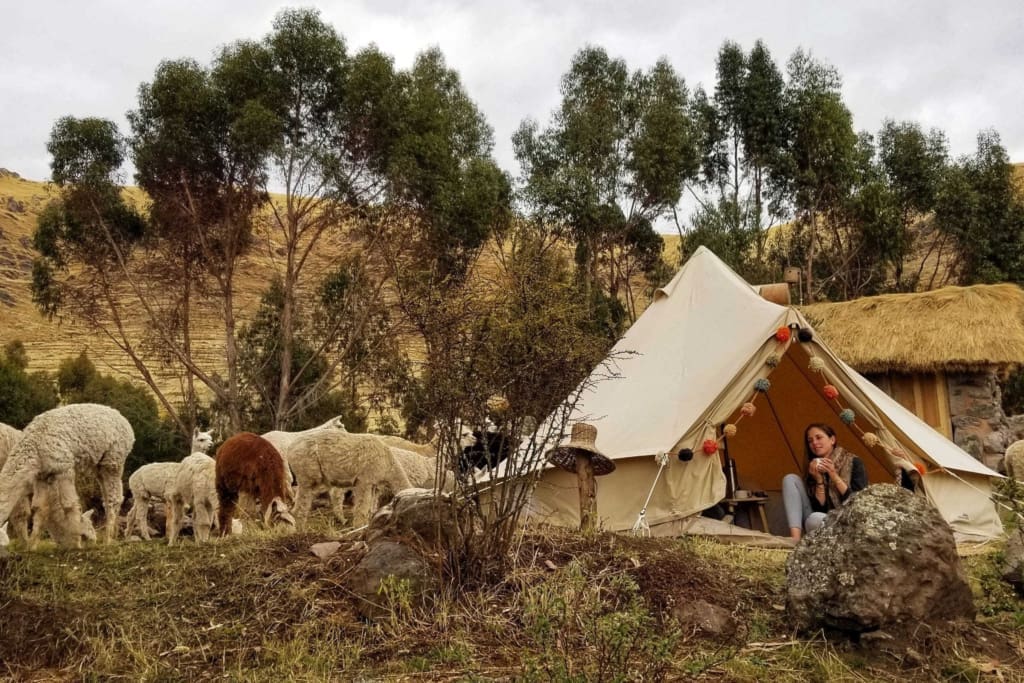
830 392
772 361
847 416
816 364
729 430
870 439
782 334
748 409
762 385
710 447
804 334
685 455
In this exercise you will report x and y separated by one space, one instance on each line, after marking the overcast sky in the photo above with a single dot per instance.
951 65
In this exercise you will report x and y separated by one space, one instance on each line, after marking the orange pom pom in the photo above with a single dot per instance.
830 392
921 469
782 334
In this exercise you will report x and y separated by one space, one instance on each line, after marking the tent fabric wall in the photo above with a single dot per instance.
685 368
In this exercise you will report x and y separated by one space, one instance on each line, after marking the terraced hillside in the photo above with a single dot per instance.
48 342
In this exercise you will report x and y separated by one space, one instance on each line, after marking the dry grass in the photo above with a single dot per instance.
926 331
261 607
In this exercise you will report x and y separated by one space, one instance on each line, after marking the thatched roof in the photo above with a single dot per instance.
954 329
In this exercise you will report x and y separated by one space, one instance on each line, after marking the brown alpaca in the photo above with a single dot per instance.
247 463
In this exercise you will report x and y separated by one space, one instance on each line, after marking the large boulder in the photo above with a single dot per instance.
421 516
884 559
391 576
1013 561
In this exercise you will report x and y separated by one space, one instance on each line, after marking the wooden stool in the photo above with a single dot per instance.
759 501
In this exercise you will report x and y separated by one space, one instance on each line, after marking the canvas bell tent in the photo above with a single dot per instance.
711 368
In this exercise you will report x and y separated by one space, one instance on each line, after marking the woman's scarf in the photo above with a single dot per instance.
843 461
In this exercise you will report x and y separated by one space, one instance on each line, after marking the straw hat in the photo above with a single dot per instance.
583 439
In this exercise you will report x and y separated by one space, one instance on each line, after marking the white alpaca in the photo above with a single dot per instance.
335 459
194 486
425 449
421 470
58 447
22 512
282 441
151 482
1013 460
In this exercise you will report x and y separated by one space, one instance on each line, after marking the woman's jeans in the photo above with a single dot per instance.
798 506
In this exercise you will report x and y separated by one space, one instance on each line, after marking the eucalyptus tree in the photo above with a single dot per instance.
817 165
199 153
613 160
90 265
979 206
913 163
363 151
741 132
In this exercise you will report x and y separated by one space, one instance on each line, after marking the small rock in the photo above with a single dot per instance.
702 616
325 550
396 560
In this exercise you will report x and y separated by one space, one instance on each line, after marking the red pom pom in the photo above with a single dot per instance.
830 392
710 447
782 334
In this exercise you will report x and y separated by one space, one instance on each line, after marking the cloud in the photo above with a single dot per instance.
944 64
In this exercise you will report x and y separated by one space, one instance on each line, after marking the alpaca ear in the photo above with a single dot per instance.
281 513
4 540
87 515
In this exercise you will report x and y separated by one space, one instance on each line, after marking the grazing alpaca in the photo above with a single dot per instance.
151 483
428 450
193 486
249 464
58 447
334 459
22 512
283 440
421 470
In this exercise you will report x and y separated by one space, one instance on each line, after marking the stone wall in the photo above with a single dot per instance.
979 425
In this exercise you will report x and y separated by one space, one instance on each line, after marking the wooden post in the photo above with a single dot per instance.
588 493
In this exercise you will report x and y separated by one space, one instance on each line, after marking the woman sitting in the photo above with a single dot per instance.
833 473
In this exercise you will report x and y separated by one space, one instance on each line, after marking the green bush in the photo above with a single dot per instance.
22 395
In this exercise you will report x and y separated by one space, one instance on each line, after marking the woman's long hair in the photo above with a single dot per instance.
819 425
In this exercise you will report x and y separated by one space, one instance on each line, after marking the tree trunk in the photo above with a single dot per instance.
287 335
588 494
808 267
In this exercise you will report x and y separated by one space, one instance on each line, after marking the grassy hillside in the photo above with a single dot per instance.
262 608
48 342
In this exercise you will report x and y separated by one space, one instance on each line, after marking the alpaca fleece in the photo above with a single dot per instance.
194 486
59 448
248 463
335 459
